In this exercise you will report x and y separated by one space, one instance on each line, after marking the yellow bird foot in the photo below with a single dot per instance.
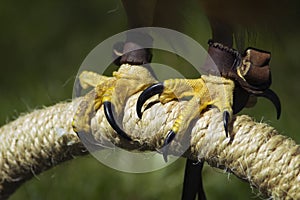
207 91
204 92
112 93
133 76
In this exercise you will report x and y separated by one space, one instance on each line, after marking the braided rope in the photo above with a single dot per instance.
256 152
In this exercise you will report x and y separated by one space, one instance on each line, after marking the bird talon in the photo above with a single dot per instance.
165 148
226 117
272 96
146 94
108 111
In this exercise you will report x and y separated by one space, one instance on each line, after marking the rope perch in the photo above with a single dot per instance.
256 152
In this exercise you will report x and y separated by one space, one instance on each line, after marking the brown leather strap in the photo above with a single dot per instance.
224 57
250 71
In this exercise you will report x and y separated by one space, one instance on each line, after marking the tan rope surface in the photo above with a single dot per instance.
36 142
256 153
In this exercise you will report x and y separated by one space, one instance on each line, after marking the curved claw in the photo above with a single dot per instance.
226 117
108 111
272 96
169 138
146 94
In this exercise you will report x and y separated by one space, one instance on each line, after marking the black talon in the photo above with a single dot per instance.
272 96
146 94
165 153
170 137
225 121
108 111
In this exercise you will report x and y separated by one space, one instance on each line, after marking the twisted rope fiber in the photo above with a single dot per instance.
36 142
255 153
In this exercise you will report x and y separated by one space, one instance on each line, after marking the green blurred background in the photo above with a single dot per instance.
43 43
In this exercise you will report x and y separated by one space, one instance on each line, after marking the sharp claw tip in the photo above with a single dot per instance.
226 133
278 115
165 154
169 138
278 110
272 96
225 121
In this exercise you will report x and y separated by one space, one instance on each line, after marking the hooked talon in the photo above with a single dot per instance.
165 153
169 138
108 111
146 94
201 99
272 96
226 117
